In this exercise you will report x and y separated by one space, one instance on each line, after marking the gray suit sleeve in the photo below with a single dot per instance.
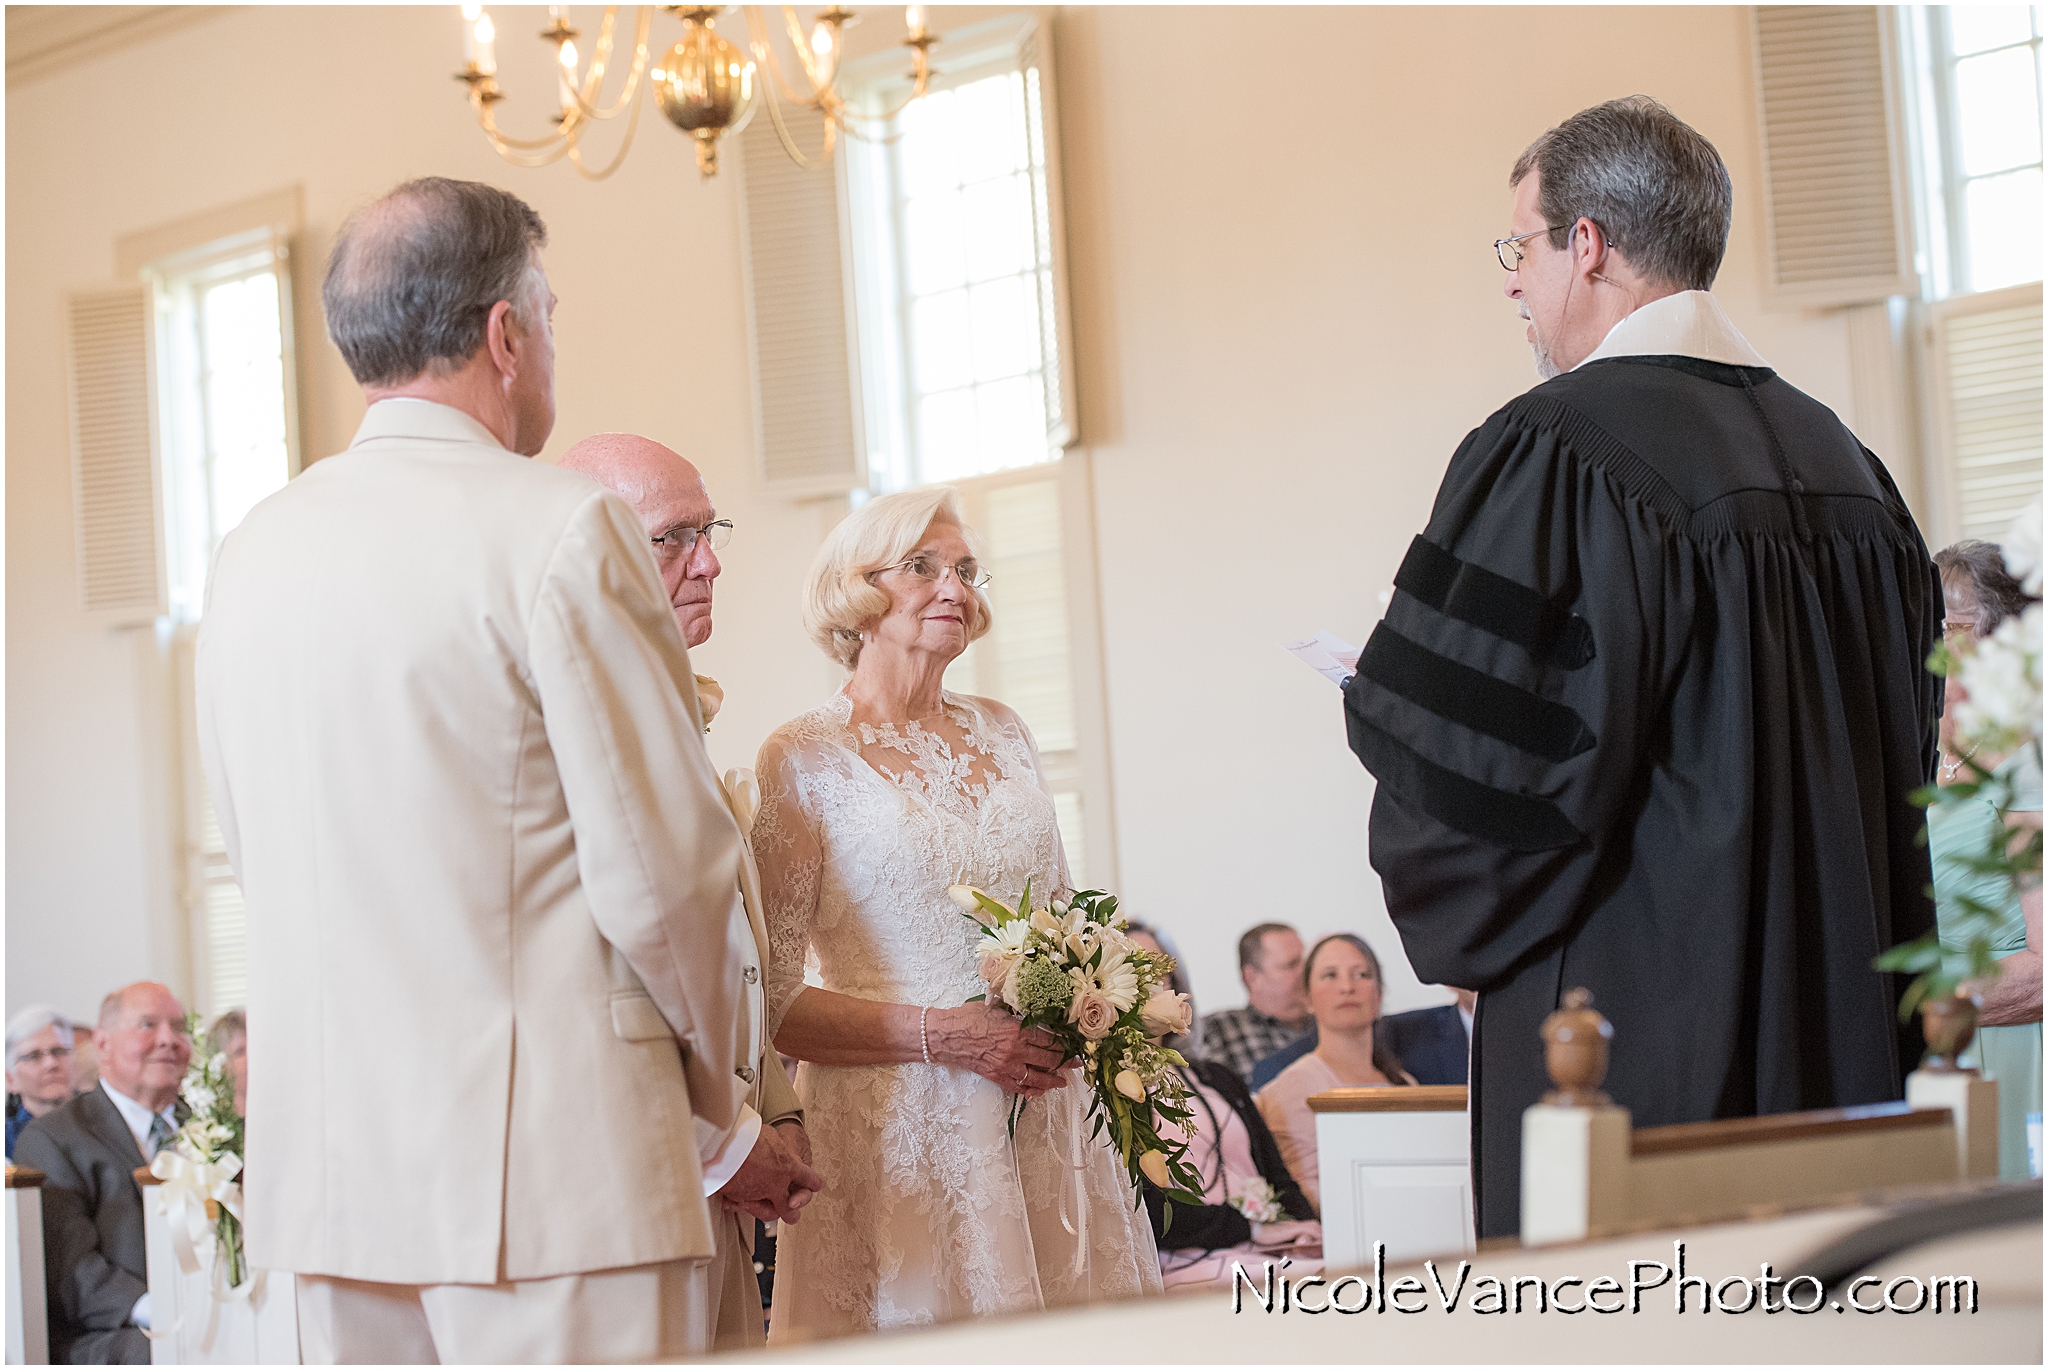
86 1288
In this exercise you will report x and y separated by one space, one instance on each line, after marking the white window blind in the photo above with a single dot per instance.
1837 212
1984 379
807 427
116 498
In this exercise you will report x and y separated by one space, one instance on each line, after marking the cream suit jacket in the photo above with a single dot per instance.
453 739
773 1095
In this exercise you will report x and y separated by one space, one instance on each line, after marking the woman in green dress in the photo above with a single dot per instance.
1978 595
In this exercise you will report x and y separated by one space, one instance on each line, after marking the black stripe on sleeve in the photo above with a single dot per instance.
1519 822
1494 604
1450 689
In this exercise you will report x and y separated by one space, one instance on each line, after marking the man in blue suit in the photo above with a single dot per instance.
1435 1044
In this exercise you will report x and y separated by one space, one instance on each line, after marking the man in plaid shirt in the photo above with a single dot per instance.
1269 959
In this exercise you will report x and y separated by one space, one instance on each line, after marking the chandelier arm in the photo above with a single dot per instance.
788 143
576 153
553 146
800 45
593 82
764 57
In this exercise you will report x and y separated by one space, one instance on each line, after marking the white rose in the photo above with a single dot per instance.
1166 1013
1092 1015
1008 993
1130 1086
2002 677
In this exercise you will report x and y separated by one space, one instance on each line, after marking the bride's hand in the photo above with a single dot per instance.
996 1046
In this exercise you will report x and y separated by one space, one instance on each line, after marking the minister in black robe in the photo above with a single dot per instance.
1645 712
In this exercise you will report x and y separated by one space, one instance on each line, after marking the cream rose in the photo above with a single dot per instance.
994 968
1130 1086
1091 1014
1166 1013
1153 1163
710 699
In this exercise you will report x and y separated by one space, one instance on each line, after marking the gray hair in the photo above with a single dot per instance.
412 278
1657 189
1981 566
29 1022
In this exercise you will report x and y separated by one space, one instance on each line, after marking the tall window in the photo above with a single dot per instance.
1983 151
965 379
224 404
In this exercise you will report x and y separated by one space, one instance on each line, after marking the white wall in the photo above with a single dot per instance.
1287 314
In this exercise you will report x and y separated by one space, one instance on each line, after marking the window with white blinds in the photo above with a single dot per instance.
1027 660
1984 373
225 419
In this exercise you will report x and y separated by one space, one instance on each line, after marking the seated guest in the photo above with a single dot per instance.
94 1263
1269 960
1342 979
1435 1044
1978 594
38 1067
1232 1149
229 1037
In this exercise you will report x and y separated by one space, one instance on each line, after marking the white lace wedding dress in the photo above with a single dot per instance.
932 1212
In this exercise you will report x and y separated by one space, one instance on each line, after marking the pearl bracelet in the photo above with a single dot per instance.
924 1041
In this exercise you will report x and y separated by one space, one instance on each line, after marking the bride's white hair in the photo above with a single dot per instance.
839 600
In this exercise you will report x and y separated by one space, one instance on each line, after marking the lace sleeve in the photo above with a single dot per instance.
787 853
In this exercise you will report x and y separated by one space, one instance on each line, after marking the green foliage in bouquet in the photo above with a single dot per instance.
211 1135
1071 969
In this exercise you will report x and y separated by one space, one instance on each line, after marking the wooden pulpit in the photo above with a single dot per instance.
1396 1169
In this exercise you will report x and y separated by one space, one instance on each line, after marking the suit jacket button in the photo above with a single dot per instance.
753 974
745 1073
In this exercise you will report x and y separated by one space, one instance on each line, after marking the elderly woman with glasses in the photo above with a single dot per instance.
871 807
39 1044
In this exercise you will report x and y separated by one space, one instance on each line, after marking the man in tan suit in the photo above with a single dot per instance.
684 532
454 742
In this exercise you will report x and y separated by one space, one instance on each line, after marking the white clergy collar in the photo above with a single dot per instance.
1688 324
138 1116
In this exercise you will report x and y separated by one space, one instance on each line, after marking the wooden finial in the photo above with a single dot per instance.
1575 1052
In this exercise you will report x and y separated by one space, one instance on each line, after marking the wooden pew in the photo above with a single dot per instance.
1587 1173
1396 1168
192 1327
28 1312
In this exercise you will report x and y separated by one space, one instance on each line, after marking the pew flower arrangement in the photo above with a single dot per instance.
201 1165
1071 969
2002 676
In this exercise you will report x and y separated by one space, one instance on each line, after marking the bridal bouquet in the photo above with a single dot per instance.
199 1168
1070 969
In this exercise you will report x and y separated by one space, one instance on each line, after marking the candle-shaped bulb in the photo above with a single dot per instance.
485 55
913 19
821 38
486 31
569 54
470 13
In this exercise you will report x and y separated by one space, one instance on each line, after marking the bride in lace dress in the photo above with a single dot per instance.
870 807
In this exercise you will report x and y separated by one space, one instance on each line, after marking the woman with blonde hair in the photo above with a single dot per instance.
871 806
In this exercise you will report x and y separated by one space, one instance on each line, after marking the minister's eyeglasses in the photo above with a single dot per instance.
681 541
1509 250
970 572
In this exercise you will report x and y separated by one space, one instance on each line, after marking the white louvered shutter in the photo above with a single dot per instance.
806 420
115 493
1837 215
1984 372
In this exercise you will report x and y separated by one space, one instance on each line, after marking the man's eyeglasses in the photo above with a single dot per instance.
1509 250
29 1058
921 567
683 540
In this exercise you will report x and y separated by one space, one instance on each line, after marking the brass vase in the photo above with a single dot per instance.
1949 1024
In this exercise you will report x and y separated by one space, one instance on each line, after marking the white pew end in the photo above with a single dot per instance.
1396 1169
192 1327
1586 1173
28 1312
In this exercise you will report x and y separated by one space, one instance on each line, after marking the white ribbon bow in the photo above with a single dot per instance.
191 1195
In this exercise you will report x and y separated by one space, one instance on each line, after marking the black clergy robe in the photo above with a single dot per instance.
1644 713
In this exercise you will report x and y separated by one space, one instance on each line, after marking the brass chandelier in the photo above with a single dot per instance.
705 85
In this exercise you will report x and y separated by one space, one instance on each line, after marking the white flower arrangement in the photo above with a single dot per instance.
1071 969
1257 1200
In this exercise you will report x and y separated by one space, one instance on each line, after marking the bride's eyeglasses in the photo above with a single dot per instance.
969 573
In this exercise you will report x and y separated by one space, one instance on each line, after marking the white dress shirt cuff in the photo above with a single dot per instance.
139 1314
732 1151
